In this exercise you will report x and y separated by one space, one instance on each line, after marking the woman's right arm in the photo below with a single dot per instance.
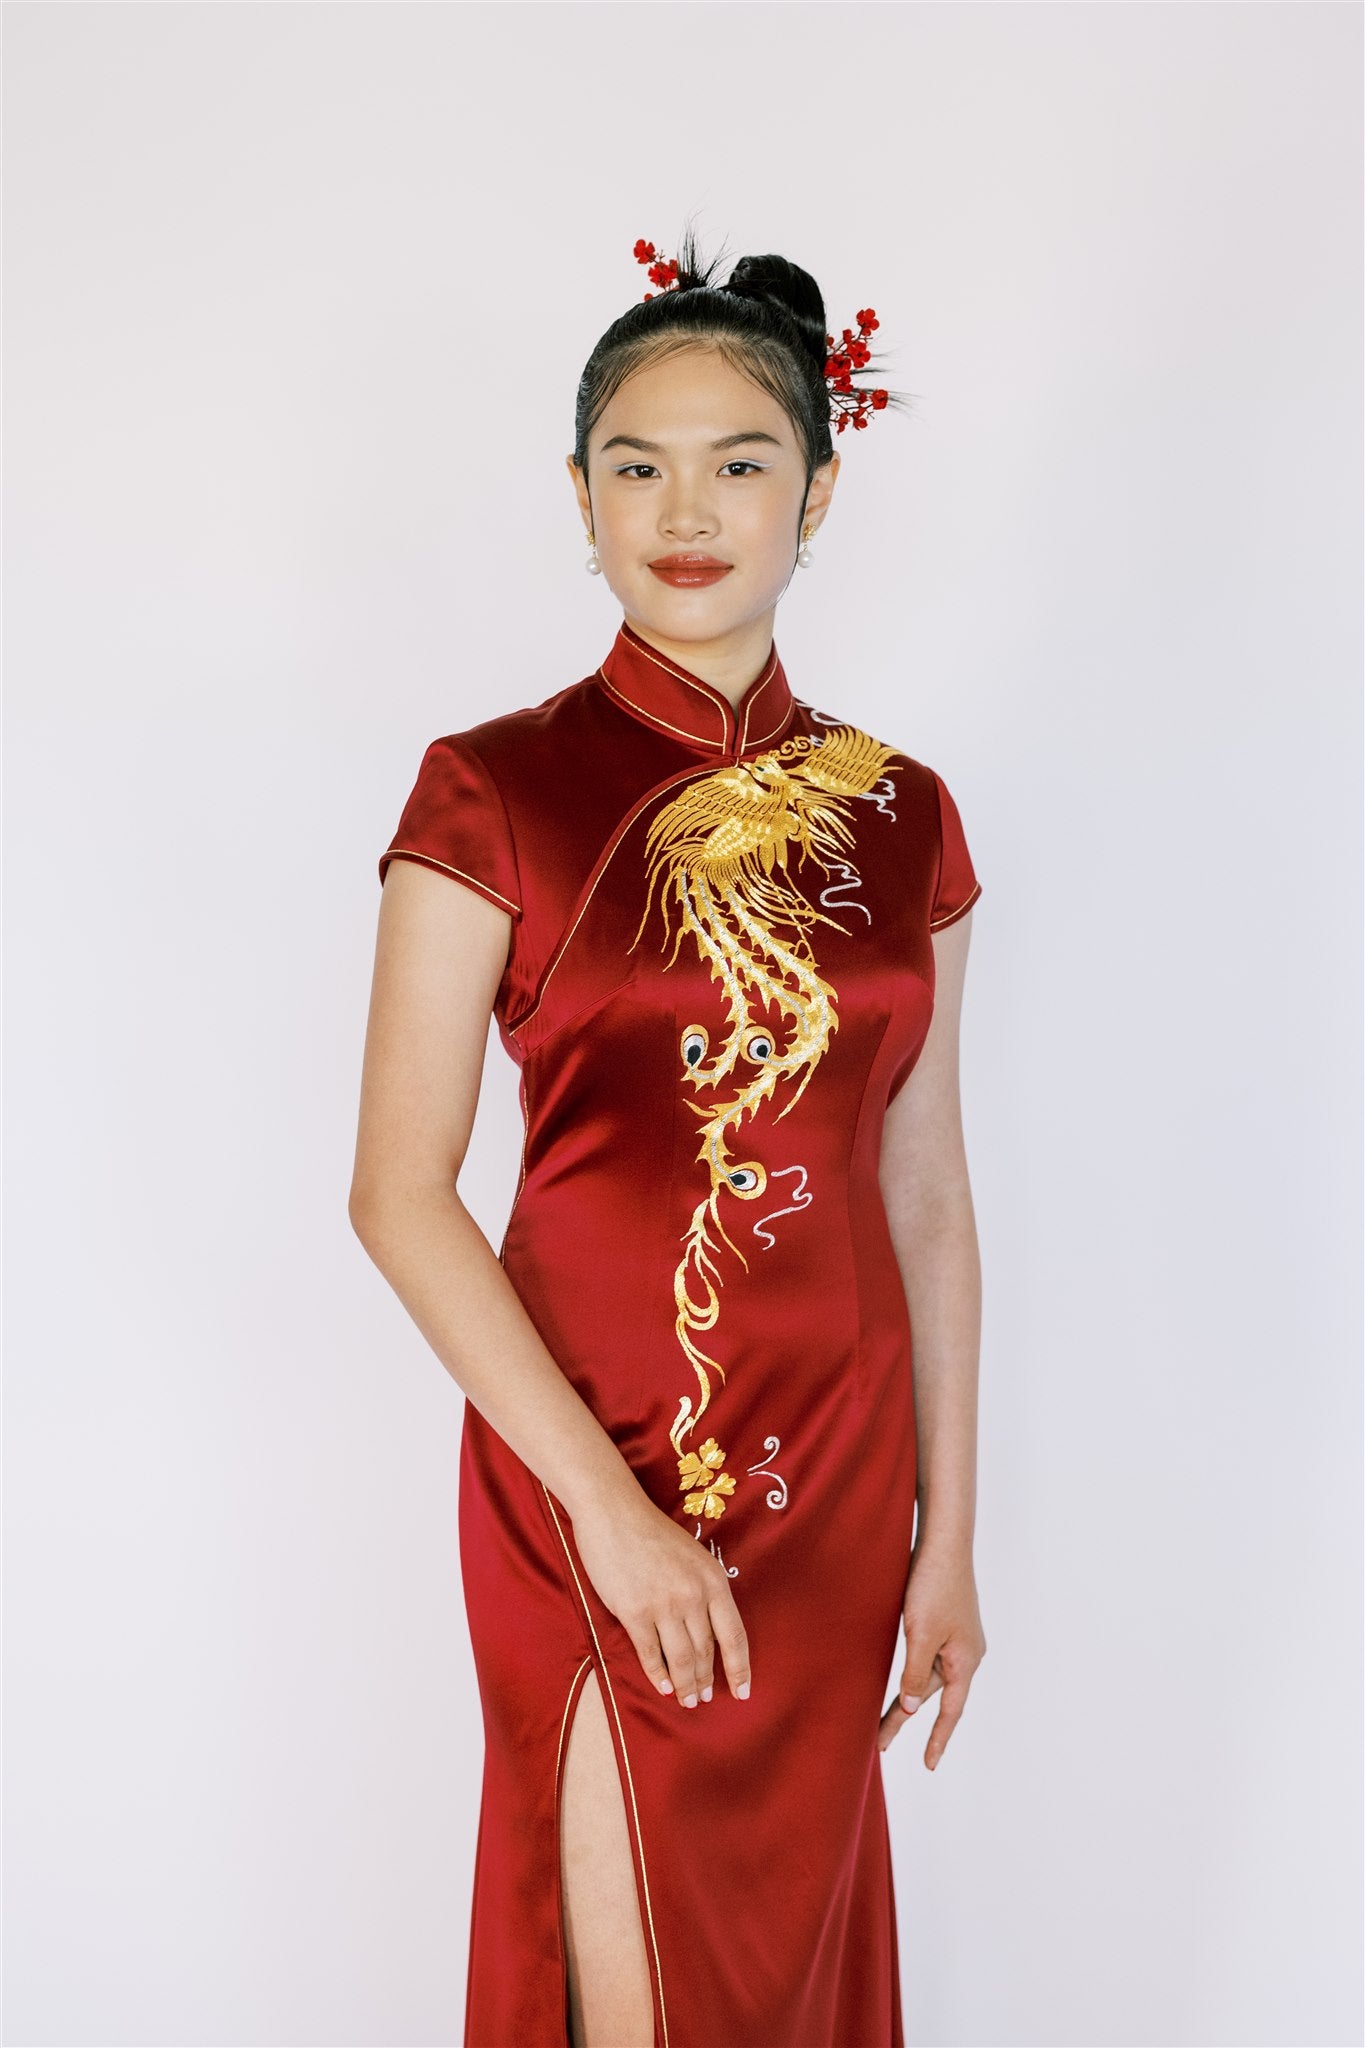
439 959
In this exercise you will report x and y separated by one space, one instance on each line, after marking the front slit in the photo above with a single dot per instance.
576 1684
627 1793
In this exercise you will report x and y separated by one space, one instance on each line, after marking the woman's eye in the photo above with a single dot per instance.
633 468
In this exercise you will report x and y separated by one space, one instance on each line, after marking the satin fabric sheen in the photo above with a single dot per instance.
653 847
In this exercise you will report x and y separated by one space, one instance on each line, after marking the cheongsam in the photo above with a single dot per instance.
720 972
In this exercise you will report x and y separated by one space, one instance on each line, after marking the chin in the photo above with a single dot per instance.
697 614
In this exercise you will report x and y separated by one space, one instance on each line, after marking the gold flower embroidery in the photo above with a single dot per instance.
701 1471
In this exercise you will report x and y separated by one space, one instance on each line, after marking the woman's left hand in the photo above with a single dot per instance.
944 1643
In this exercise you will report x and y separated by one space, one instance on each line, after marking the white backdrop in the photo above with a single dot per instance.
297 300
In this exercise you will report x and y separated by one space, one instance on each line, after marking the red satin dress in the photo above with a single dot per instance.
720 971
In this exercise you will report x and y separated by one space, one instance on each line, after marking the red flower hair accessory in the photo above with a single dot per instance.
851 353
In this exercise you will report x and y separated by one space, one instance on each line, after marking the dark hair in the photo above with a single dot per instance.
767 320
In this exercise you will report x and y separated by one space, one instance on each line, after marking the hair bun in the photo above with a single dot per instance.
793 290
768 322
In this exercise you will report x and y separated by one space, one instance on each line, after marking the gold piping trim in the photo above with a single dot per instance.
695 738
703 689
620 832
748 709
662 662
412 853
564 1720
783 720
649 1910
937 923
659 660
651 653
683 732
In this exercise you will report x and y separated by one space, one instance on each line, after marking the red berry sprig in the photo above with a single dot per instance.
854 354
846 404
663 270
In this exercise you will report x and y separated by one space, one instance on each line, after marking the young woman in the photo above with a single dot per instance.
724 934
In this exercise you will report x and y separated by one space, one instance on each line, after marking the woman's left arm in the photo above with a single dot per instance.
928 1199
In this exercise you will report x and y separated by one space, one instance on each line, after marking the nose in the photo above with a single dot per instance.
687 517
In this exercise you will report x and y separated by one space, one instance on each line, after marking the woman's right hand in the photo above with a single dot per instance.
668 1591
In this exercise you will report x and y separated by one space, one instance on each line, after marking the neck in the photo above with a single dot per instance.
729 663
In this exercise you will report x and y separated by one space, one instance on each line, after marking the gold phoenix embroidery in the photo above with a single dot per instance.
720 851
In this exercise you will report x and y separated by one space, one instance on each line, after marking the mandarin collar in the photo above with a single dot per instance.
673 700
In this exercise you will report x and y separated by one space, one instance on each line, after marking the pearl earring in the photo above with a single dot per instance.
804 556
592 565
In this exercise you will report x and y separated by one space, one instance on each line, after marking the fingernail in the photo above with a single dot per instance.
665 1685
706 1694
909 1702
691 1700
742 1691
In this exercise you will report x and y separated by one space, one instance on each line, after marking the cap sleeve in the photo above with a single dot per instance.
957 888
454 820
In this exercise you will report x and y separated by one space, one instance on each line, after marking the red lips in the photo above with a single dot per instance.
690 571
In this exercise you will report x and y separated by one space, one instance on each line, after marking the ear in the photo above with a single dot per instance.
820 492
580 484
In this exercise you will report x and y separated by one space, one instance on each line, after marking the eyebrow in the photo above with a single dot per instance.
657 447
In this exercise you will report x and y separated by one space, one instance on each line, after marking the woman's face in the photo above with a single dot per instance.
691 457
